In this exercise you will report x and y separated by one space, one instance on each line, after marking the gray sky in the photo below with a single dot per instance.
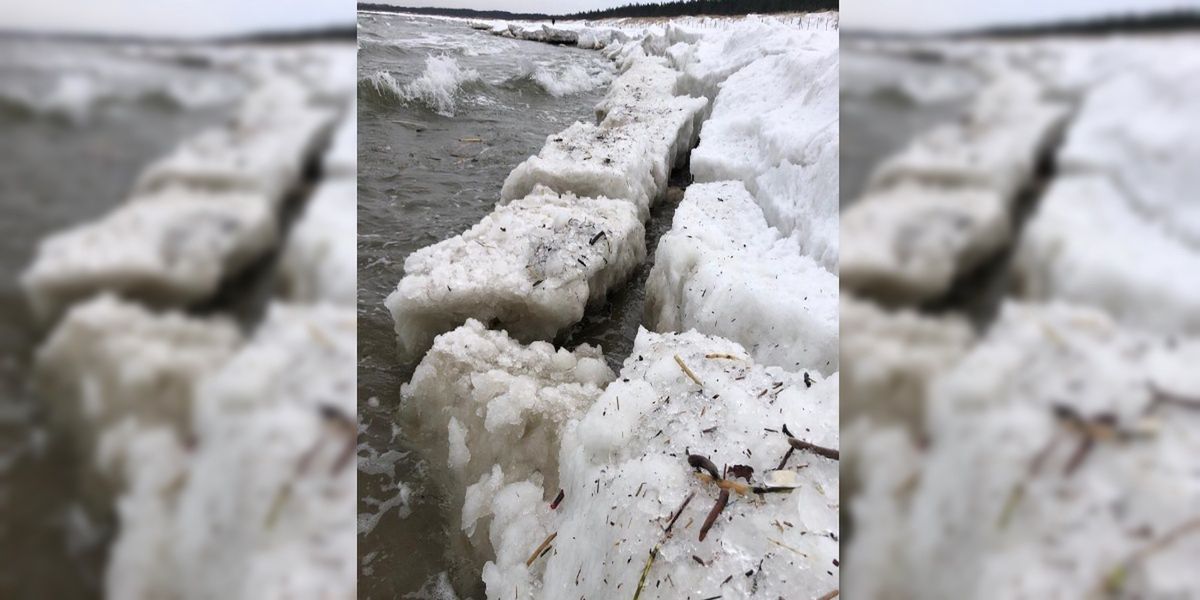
184 18
934 15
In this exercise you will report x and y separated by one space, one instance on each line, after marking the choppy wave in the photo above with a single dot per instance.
436 88
76 98
567 80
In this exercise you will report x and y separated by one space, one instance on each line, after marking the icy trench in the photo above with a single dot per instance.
979 293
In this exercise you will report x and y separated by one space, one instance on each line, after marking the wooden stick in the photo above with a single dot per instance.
687 371
541 548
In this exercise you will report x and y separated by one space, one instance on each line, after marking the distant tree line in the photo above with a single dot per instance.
1159 22
655 9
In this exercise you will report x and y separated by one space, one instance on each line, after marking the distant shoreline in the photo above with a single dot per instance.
1173 21
334 33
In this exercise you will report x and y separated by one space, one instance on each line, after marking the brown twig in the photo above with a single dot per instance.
541 548
722 500
830 595
675 517
687 371
799 444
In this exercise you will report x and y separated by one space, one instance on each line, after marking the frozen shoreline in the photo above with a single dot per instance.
644 128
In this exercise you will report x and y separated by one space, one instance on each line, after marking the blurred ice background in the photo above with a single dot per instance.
1021 300
177 325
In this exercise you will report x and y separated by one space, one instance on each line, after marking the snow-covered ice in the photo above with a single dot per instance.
592 161
721 270
492 410
530 267
1088 243
907 243
1139 129
318 261
263 506
111 369
172 248
1006 501
624 473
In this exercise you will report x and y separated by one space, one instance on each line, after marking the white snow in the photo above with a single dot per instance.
722 271
341 160
1089 244
318 261
530 267
173 247
624 471
1002 503
488 407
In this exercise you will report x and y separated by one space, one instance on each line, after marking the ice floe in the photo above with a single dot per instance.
530 268
171 248
492 411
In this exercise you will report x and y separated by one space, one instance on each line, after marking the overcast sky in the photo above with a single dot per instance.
935 15
182 18
219 17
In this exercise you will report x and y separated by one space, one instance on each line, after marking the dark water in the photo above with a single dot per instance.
445 113
80 121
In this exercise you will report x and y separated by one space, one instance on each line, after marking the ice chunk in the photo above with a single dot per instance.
1139 128
318 261
113 365
773 110
170 249
891 360
264 507
530 267
1089 244
996 146
558 35
1004 502
264 150
625 472
722 271
906 244
482 401
647 79
588 160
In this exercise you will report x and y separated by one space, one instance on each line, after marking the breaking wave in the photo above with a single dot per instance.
436 88
571 79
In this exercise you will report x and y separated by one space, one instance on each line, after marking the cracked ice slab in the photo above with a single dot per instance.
173 248
624 471
646 79
592 161
998 504
1089 244
530 267
906 244
318 262
261 505
492 409
263 150
722 271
